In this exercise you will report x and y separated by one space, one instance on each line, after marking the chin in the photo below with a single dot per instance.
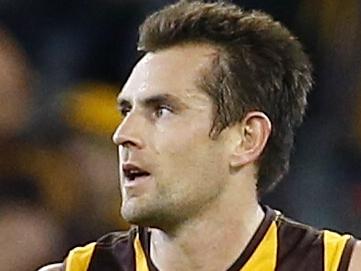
144 217
134 214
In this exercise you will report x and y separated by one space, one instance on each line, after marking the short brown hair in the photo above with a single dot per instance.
261 66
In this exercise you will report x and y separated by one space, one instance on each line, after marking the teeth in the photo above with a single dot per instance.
133 173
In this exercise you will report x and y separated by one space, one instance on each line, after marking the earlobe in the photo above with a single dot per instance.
254 132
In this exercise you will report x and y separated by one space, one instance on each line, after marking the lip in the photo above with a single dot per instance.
129 166
138 181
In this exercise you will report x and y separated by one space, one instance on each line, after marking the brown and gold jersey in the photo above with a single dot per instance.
279 244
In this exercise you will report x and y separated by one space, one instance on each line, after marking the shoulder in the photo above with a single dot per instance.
81 258
311 245
111 240
298 233
53 267
356 257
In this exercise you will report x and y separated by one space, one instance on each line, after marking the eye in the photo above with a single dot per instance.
124 111
162 110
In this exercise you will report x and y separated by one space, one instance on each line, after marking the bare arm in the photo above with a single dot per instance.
53 267
356 258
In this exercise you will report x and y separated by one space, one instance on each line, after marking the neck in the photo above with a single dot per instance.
199 244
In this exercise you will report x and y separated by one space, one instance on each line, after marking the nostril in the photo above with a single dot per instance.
127 143
128 138
122 140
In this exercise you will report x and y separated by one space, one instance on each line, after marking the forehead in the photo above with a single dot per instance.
170 71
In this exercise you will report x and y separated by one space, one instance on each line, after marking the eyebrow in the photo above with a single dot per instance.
153 100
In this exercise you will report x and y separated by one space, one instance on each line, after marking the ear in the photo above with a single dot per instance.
253 133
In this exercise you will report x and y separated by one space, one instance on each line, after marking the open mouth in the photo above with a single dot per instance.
132 172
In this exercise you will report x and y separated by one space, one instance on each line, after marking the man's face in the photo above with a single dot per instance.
170 169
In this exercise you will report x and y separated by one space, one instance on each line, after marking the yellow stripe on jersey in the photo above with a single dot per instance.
334 247
79 258
265 256
140 258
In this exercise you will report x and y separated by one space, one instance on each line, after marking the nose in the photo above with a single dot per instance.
129 133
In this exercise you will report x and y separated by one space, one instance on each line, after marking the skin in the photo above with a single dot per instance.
356 258
197 184
173 146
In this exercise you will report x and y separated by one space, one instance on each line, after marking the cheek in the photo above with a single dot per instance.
185 153
180 143
182 136
189 155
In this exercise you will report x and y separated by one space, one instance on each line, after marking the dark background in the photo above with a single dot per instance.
61 66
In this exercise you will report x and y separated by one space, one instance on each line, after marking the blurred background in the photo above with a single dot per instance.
61 66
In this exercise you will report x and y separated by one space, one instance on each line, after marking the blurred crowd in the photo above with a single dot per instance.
62 64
